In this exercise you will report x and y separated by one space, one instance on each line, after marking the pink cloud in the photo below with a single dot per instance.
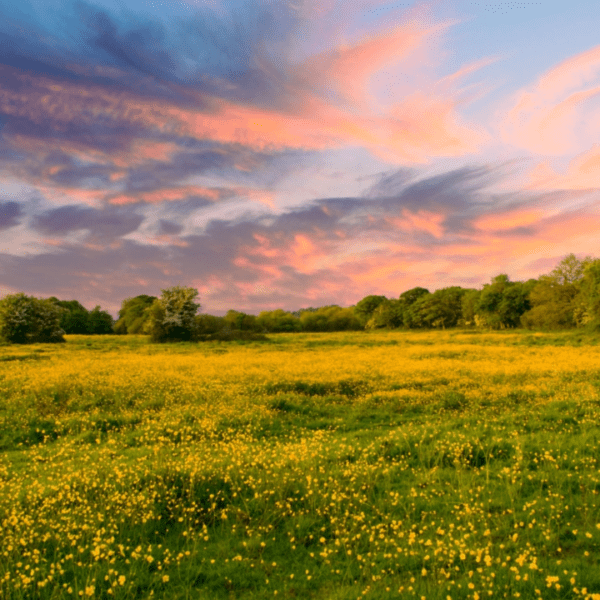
61 194
558 114
349 67
423 125
421 220
509 219
263 196
583 173
166 195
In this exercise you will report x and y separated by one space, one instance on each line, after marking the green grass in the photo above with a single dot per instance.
330 466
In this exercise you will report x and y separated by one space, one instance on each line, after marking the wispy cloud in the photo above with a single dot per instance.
559 114
212 149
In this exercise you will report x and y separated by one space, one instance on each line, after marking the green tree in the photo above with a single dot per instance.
468 303
412 295
328 318
29 320
443 308
134 314
365 308
389 315
240 321
588 310
173 315
74 319
209 324
100 322
411 302
342 319
502 302
555 297
278 321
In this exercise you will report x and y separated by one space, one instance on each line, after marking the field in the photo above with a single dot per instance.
333 466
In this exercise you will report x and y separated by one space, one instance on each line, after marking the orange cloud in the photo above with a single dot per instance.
509 220
142 151
582 173
166 195
349 68
424 126
71 194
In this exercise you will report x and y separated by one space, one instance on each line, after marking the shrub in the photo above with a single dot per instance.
29 320
172 317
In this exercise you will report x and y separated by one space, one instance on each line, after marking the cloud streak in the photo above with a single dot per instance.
211 149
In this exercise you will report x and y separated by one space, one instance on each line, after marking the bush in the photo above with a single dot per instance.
29 320
172 317
134 314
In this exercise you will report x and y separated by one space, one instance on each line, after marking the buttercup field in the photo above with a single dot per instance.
299 299
338 466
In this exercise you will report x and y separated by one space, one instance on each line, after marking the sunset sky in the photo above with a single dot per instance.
284 154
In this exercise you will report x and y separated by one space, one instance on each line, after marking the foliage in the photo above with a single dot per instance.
240 321
389 315
556 298
502 302
29 320
277 321
441 309
468 303
411 301
100 322
365 308
76 319
590 295
172 317
208 324
134 314
329 318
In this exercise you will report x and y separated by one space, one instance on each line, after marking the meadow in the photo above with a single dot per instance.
437 465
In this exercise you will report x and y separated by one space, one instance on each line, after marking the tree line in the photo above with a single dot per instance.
567 297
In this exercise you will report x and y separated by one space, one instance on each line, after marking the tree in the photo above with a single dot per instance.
172 317
134 314
502 302
411 302
278 321
555 297
468 303
29 320
240 321
100 322
328 318
588 312
570 269
365 308
443 308
74 319
341 319
411 296
208 324
411 316
387 315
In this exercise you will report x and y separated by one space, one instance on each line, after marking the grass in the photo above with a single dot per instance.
334 466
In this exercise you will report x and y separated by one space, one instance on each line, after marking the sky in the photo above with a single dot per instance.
294 153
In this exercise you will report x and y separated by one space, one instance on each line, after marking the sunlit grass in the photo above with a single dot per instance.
337 466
